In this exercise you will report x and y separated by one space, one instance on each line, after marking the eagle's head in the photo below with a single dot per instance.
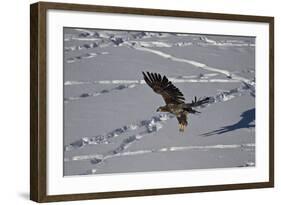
161 109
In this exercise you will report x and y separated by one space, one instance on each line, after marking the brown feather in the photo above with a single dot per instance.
164 87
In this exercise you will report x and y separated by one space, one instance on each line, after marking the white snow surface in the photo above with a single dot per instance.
110 121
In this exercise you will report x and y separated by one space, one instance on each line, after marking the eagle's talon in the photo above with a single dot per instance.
181 127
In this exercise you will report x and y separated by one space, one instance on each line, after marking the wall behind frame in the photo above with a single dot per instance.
14 104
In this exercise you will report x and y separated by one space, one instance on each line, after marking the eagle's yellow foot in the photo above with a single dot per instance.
181 127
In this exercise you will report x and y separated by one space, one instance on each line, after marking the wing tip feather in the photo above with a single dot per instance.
153 79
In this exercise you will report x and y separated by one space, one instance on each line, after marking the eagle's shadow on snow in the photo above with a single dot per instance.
246 120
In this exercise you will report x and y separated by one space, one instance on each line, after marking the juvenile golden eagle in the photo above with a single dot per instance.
173 98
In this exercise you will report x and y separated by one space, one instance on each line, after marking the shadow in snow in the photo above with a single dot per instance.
245 122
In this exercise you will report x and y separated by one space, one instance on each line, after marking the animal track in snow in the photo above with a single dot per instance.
151 125
128 84
98 158
94 94
84 56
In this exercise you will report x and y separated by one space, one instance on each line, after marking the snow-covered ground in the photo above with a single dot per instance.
110 119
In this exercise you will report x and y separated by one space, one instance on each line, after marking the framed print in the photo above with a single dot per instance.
133 102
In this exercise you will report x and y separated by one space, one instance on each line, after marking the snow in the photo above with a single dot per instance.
110 119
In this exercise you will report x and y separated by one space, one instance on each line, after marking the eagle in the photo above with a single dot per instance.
173 97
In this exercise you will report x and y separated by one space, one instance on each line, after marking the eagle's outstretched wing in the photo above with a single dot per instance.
164 87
